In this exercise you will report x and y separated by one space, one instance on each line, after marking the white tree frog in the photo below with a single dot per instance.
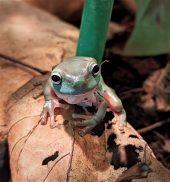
78 81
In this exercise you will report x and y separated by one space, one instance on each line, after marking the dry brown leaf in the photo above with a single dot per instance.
11 78
166 146
65 9
33 36
158 90
40 153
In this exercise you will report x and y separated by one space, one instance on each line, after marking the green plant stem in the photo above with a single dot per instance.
94 26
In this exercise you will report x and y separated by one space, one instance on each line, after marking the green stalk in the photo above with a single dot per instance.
94 26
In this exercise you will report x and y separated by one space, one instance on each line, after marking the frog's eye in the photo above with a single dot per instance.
94 69
56 78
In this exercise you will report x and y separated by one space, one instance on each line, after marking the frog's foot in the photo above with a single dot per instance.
113 121
44 117
87 124
48 110
81 116
86 111
121 122
122 125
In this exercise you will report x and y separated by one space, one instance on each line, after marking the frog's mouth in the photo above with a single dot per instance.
76 91
78 95
87 97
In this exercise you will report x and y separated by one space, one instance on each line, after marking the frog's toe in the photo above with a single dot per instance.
53 125
82 133
81 116
43 119
121 128
86 130
52 120
122 125
113 121
87 124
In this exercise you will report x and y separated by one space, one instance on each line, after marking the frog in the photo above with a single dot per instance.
78 81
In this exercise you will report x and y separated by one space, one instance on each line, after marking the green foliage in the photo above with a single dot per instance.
151 35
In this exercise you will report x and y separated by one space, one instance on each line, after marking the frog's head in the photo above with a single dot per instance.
76 75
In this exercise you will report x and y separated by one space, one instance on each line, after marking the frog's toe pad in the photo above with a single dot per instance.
53 125
81 133
43 122
86 130
121 128
43 119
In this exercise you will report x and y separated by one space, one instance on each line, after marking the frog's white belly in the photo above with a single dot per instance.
86 99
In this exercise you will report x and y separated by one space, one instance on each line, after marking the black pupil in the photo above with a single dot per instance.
56 78
95 69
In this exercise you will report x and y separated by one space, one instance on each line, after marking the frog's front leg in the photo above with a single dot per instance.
48 110
51 102
116 106
114 103
89 124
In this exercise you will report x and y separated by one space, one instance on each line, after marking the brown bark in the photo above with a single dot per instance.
38 153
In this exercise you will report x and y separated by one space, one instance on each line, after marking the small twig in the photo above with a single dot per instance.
54 166
22 136
71 158
153 126
16 122
43 72
159 135
17 143
105 136
26 140
126 94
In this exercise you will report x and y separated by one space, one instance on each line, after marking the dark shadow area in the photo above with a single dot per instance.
4 163
131 155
